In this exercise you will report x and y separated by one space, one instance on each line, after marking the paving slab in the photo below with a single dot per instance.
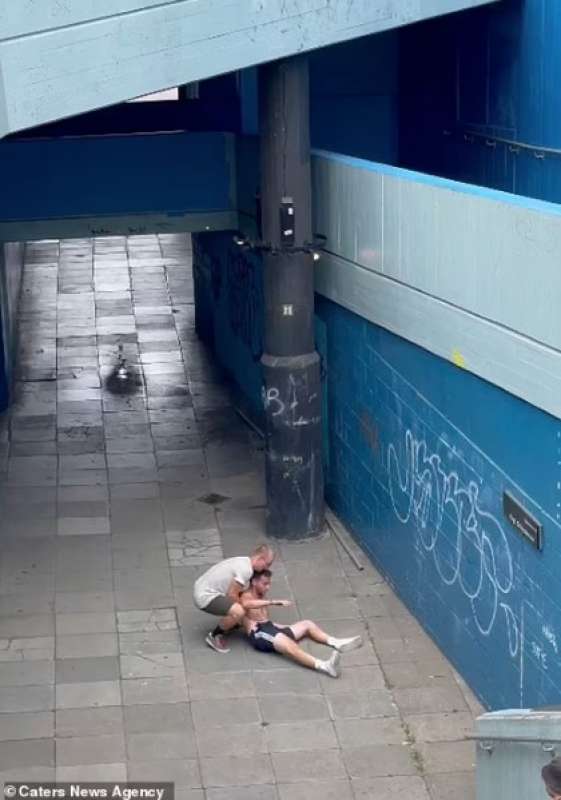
88 695
30 673
296 736
142 691
30 725
98 645
27 753
184 772
27 698
105 748
375 761
309 765
258 792
221 685
84 722
237 771
318 790
412 787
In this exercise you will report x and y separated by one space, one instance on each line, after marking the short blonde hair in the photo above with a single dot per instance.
263 550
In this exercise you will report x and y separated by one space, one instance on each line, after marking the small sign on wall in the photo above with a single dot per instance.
521 519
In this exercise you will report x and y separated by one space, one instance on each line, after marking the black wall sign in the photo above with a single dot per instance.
527 525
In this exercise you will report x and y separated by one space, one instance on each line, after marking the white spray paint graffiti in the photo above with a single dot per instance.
550 637
436 499
468 545
288 408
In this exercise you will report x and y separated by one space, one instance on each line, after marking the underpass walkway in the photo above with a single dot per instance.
115 493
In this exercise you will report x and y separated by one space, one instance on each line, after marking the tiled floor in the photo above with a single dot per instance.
108 515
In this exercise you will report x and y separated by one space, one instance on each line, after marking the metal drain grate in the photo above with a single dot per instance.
213 499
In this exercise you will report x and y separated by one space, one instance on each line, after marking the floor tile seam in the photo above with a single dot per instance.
411 742
106 469
175 320
324 693
161 516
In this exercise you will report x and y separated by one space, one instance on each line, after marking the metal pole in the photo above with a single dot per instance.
291 368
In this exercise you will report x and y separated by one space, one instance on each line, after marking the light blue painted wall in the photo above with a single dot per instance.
446 265
77 60
440 263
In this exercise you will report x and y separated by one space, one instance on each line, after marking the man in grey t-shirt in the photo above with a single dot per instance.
218 590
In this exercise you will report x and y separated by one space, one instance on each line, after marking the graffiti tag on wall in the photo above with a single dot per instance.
468 546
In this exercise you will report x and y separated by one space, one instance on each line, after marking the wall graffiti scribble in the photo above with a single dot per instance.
467 543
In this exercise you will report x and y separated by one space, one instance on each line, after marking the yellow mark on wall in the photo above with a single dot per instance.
458 358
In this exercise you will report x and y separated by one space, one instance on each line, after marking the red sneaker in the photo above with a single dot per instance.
217 643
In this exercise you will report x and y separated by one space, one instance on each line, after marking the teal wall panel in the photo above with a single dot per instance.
83 65
468 273
168 174
27 17
469 247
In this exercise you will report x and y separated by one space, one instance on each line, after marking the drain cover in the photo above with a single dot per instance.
212 499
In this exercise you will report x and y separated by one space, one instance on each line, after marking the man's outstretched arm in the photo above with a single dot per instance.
249 602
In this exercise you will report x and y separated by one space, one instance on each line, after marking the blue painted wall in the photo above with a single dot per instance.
354 105
354 97
435 96
11 270
72 177
492 71
418 454
229 311
421 453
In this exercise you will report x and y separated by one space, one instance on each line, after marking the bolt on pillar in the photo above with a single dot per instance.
291 366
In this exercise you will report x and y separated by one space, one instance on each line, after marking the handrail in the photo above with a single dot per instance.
488 742
513 144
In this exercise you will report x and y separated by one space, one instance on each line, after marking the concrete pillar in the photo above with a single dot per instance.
291 367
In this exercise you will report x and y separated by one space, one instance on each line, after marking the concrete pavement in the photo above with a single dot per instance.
112 504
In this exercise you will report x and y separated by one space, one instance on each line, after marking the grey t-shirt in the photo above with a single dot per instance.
218 579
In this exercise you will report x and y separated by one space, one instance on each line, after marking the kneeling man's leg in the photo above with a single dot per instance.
231 614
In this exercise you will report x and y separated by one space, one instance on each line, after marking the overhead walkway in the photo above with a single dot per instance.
62 59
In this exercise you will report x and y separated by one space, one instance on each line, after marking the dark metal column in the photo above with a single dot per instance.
291 369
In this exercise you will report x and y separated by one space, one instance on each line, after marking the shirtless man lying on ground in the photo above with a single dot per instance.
267 636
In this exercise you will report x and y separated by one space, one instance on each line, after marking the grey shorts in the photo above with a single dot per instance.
219 606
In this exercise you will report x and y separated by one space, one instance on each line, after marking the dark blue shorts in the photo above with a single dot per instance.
263 635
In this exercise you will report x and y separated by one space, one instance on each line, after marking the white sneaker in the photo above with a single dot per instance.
345 645
330 667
